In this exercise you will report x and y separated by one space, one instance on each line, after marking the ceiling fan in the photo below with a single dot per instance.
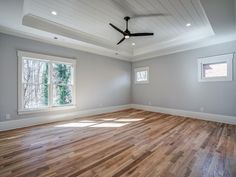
127 34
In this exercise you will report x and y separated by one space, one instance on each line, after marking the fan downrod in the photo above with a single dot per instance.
127 18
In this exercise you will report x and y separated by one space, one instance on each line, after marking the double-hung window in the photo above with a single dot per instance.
45 82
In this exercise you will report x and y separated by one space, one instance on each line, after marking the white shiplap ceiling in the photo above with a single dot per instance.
93 17
86 23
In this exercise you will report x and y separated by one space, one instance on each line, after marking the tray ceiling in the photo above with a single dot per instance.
86 24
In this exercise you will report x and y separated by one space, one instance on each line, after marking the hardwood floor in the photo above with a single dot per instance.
127 143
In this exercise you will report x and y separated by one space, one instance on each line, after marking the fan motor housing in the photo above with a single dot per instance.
127 18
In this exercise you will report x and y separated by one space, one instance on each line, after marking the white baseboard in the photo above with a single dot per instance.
190 114
21 123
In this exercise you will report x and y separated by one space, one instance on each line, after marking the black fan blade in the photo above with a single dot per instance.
121 40
141 34
117 28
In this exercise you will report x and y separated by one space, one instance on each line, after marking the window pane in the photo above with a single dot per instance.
215 70
62 94
35 71
62 74
35 96
141 75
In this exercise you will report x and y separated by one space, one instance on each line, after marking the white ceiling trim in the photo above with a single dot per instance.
43 24
102 51
178 41
214 40
91 49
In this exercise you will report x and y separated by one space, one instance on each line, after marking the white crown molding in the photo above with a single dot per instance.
177 41
21 123
132 58
189 114
90 48
214 40
43 24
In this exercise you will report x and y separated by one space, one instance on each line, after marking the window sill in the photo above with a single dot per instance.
216 79
141 82
53 109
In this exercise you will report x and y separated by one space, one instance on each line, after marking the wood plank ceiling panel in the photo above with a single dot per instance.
94 16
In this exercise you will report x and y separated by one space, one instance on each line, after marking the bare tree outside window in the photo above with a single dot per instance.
35 83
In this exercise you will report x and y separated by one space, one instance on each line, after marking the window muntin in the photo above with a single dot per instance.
216 68
45 82
142 75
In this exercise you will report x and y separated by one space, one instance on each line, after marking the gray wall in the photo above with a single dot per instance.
174 83
101 81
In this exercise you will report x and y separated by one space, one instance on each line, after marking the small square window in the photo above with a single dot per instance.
216 68
141 75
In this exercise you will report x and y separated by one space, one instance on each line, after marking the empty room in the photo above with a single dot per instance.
118 88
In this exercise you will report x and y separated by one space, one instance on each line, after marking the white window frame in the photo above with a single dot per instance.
139 70
228 58
50 60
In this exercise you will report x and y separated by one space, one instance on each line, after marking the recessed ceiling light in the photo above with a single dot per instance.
133 44
188 24
54 12
127 37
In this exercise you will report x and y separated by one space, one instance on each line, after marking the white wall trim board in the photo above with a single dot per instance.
190 46
89 48
190 114
124 55
21 123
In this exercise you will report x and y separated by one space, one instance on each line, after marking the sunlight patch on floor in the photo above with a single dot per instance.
109 119
110 124
106 122
79 124
127 120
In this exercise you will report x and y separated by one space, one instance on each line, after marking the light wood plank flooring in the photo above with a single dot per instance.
126 143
